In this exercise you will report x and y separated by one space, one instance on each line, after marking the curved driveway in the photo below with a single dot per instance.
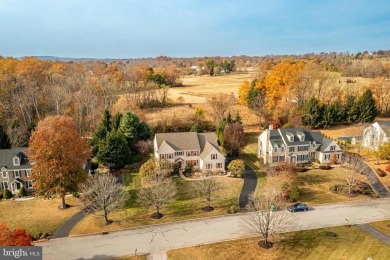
152 239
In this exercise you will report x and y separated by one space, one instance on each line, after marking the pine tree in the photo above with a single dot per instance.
352 110
368 110
114 150
106 121
312 113
5 142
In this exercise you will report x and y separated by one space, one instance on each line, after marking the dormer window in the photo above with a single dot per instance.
314 143
4 173
290 137
16 161
301 136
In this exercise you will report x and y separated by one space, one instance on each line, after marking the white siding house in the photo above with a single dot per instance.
199 149
376 134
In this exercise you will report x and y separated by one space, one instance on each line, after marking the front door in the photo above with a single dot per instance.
293 160
16 186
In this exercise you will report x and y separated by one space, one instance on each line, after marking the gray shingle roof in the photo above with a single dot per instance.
188 141
7 155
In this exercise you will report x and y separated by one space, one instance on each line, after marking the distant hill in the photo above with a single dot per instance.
54 58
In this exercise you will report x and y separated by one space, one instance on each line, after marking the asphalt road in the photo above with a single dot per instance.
152 239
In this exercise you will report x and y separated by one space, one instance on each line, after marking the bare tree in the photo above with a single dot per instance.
103 195
356 167
265 221
157 195
219 104
206 188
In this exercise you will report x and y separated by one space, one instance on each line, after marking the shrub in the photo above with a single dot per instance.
381 172
1 196
22 192
7 194
325 167
317 161
388 168
299 169
189 168
294 192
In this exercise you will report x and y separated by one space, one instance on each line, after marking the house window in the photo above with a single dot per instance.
281 158
219 165
282 148
4 174
17 174
28 173
312 155
291 149
275 158
194 162
188 153
303 148
169 156
208 166
5 185
16 161
327 157
275 149
214 156
332 147
29 184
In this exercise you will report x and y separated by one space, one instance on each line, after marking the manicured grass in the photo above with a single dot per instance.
350 243
249 152
37 215
314 186
383 226
184 206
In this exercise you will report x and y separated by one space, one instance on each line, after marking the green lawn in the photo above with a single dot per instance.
249 152
350 243
184 206
314 186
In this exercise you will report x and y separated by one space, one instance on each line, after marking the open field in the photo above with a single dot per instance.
37 215
314 186
350 243
185 206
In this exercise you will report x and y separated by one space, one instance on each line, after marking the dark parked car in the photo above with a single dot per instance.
298 207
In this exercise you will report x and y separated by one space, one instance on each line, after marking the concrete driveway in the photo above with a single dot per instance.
152 239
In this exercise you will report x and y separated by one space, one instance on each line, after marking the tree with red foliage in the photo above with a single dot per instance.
388 168
276 124
18 237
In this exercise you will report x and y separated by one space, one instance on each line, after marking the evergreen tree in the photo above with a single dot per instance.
368 110
312 113
352 110
114 150
328 116
5 142
133 129
99 135
116 121
106 121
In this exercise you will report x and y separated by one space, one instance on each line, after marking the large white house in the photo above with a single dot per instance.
376 134
296 145
199 149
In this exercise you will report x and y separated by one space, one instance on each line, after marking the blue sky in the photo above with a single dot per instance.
182 28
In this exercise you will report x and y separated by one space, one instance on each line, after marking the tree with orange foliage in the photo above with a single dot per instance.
58 153
243 92
18 237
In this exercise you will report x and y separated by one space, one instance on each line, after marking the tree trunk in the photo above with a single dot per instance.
106 217
63 204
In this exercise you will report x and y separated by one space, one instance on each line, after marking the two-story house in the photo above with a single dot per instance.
296 145
199 149
15 170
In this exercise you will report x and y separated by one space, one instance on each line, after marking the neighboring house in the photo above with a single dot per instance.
199 149
296 145
15 170
351 139
376 134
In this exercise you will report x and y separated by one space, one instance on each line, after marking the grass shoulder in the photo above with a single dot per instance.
328 243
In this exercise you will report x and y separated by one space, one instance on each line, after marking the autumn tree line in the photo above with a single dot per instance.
302 92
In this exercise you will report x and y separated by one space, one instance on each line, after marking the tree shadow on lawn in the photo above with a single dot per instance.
307 194
309 179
